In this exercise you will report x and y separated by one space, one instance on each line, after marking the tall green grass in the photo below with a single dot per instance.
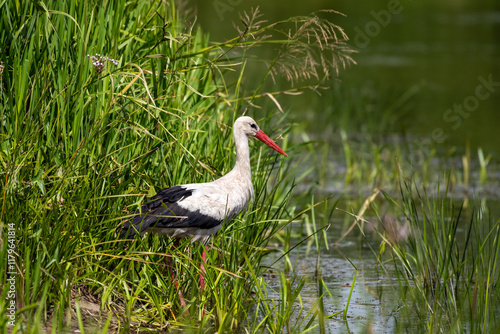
448 270
81 148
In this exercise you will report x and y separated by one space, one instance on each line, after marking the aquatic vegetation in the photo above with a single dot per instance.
448 268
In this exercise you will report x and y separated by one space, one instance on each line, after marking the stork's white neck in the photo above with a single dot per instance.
242 165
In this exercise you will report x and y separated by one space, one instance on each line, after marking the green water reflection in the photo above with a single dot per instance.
443 50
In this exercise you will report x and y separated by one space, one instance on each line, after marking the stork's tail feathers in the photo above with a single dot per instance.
137 223
159 208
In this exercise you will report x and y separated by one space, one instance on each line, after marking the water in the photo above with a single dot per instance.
374 299
444 50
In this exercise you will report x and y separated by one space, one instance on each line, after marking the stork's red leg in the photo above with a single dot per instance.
171 270
202 271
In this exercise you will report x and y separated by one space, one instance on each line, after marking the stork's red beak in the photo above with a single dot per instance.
260 135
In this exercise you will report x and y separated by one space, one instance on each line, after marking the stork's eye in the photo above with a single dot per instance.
253 126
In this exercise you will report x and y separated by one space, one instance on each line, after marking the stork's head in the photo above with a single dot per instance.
250 128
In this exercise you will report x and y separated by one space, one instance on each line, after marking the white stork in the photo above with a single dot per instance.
198 210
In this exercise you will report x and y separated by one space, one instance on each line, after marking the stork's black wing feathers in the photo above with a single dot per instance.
162 211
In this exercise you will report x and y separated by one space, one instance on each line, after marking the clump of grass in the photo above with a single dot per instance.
448 270
83 144
483 164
